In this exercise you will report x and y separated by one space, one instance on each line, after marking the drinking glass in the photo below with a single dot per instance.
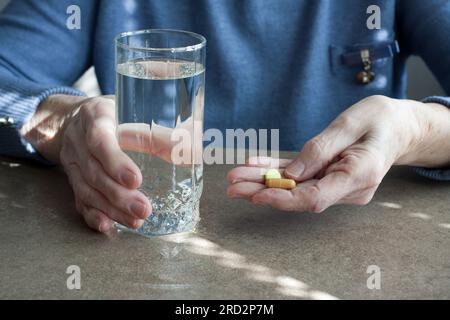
160 86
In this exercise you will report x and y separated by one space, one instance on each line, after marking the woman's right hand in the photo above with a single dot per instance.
80 134
104 179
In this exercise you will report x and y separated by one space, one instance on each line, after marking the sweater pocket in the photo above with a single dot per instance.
348 64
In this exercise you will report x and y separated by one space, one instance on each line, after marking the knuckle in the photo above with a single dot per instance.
365 197
351 161
317 206
115 195
383 104
373 179
100 105
375 175
86 112
377 99
364 200
95 135
83 193
92 172
315 146
102 101
345 121
92 108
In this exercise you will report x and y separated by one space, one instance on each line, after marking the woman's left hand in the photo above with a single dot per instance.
348 160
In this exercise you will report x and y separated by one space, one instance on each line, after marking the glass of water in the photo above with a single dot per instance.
160 85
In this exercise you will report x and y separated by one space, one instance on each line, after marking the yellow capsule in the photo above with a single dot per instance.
281 183
272 174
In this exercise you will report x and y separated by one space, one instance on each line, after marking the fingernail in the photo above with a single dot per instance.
104 227
295 170
128 178
139 209
138 223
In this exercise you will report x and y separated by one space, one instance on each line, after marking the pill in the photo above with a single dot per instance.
272 174
280 183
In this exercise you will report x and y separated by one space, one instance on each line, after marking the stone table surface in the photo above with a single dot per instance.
239 251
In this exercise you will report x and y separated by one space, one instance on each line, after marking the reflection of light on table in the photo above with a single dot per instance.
11 164
420 215
444 225
168 286
285 285
390 205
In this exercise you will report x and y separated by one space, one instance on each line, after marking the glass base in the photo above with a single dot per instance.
164 224
144 231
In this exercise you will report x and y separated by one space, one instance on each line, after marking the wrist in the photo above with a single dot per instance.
46 127
429 134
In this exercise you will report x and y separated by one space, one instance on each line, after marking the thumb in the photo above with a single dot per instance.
321 150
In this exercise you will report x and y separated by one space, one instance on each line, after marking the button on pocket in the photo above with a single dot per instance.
364 64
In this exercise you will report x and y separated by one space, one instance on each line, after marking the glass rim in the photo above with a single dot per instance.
194 47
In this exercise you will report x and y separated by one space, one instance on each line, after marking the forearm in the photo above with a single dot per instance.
45 128
431 147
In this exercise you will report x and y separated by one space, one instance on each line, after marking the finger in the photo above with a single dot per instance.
132 202
312 198
268 162
277 198
97 220
143 138
160 69
281 199
174 145
357 170
250 174
98 124
318 152
244 189
90 197
135 137
346 178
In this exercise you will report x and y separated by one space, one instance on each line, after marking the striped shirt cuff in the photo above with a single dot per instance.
17 106
442 174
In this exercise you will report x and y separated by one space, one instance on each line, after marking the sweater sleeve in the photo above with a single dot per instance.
424 29
39 56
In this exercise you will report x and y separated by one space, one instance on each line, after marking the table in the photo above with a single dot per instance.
239 251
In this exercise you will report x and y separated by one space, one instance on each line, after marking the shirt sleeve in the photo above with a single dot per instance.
423 30
39 56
